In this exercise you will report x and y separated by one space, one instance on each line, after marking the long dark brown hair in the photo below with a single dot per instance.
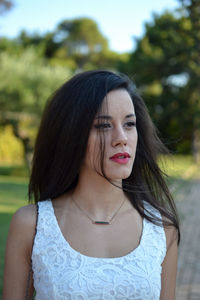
63 136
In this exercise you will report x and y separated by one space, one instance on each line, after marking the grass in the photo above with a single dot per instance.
13 191
13 170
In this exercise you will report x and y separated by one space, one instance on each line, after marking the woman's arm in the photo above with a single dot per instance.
18 254
169 266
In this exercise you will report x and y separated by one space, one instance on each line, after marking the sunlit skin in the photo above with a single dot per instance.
116 124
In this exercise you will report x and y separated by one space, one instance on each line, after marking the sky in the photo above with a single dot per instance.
120 21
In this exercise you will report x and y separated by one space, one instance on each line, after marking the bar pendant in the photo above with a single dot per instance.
101 223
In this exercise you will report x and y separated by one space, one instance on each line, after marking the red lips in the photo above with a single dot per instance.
121 155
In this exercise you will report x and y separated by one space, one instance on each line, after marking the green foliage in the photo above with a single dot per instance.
166 68
26 81
11 149
78 40
77 44
81 36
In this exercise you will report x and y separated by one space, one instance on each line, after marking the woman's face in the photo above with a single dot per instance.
115 124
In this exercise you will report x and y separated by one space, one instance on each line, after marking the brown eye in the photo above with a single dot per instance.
130 124
102 126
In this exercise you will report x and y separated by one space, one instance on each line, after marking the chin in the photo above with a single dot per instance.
119 176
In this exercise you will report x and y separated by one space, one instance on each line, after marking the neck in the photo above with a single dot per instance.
98 196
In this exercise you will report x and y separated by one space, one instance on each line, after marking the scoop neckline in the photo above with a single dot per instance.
133 252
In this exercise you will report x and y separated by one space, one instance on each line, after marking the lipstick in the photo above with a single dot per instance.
121 158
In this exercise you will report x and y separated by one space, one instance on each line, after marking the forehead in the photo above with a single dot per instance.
117 102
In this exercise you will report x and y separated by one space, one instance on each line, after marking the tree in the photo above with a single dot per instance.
166 66
78 44
81 39
5 5
26 81
191 8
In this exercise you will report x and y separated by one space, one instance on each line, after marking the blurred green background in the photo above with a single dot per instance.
165 65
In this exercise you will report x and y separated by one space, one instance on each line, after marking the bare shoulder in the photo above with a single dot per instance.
23 224
18 252
25 215
171 233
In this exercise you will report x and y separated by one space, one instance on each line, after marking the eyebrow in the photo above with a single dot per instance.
105 117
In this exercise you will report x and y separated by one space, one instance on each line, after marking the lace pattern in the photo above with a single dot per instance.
60 272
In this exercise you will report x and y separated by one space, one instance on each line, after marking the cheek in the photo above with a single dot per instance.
133 139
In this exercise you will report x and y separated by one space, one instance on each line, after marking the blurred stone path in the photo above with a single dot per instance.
188 275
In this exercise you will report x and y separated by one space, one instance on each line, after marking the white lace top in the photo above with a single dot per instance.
62 273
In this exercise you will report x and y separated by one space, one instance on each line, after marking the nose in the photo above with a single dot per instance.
119 137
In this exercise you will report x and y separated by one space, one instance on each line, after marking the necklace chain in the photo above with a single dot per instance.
99 222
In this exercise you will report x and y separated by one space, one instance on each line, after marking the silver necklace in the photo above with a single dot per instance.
99 222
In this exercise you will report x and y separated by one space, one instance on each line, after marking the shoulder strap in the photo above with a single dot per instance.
30 269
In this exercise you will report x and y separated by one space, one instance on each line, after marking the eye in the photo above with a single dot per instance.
102 126
130 124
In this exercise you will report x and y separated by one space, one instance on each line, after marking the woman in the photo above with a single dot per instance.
107 226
